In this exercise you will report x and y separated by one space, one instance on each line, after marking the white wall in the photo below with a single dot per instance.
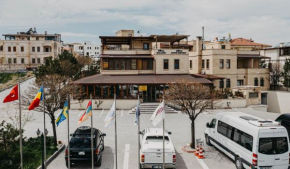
278 101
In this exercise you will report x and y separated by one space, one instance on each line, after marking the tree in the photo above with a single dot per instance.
275 75
286 73
192 98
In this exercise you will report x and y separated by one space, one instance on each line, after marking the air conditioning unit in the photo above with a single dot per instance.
203 72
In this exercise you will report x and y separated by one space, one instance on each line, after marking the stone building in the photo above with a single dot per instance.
27 50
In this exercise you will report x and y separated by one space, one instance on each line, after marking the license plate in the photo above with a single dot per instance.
82 153
156 167
265 167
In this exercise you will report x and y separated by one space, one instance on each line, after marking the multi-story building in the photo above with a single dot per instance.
278 53
139 65
87 49
27 50
229 63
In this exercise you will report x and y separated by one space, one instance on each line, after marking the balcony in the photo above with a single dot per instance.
170 52
115 51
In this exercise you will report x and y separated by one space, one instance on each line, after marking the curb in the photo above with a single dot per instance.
53 156
187 151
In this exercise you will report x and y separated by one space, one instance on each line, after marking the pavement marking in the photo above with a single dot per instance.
102 112
201 162
126 157
122 113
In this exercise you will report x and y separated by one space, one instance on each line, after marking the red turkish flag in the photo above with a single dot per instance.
13 95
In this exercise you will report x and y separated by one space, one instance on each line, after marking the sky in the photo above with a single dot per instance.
265 21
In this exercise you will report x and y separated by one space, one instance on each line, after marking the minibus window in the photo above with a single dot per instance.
246 141
274 145
229 133
222 128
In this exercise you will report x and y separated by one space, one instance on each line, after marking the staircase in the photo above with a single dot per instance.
149 108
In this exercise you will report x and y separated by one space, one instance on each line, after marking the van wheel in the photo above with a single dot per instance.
239 164
207 140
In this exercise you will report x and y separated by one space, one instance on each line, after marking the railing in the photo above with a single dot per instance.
170 51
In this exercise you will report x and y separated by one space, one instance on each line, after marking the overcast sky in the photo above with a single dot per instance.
265 21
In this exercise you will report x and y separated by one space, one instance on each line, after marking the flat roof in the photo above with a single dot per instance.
31 35
138 79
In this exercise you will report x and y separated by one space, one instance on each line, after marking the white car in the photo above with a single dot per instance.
151 152
253 143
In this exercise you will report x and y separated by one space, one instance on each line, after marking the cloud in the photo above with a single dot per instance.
265 21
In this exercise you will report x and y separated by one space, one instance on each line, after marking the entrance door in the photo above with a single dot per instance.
264 98
150 94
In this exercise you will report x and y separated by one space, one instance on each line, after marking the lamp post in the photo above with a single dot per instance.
40 134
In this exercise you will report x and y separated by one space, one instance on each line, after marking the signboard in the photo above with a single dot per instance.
142 88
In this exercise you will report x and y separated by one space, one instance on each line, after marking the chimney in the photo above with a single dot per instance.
199 52
45 32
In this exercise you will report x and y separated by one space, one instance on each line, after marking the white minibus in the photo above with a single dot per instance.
252 142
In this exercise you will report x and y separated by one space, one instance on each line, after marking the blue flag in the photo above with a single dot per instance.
63 115
137 113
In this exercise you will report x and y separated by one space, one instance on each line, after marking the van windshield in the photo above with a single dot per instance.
273 145
156 138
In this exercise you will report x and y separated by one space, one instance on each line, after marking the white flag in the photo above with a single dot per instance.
158 115
111 117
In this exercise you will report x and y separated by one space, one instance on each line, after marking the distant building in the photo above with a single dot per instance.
28 50
278 53
247 44
87 49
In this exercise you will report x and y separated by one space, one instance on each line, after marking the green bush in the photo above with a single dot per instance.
5 77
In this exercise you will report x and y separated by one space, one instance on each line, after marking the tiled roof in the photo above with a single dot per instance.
246 42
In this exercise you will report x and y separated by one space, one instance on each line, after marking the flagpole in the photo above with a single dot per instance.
138 134
92 140
163 137
68 146
116 132
44 128
20 127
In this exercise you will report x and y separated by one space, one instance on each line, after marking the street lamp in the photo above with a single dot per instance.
40 134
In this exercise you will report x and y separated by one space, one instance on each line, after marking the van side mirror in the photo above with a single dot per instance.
207 125
104 134
71 134
169 133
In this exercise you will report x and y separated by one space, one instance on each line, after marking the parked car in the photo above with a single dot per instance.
151 152
284 120
80 146
253 143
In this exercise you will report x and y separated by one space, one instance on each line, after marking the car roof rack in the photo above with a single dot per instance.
265 123
248 118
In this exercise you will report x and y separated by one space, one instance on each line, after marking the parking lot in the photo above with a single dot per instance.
178 124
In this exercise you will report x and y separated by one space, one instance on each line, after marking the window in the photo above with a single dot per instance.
128 64
117 64
134 64
176 63
38 60
33 49
240 82
274 145
37 38
14 48
105 64
38 49
262 81
221 63
97 52
9 60
222 128
221 83
256 82
122 64
190 64
207 63
22 49
223 46
202 65
22 60
33 60
1 48
228 63
150 64
145 46
97 47
111 64
14 60
253 94
9 48
246 141
165 64
228 83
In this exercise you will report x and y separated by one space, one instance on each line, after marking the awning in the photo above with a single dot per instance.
138 79
211 77
128 56
169 38
245 56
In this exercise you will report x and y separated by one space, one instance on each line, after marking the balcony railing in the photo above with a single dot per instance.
170 51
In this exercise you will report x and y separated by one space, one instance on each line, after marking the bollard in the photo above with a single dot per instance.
200 156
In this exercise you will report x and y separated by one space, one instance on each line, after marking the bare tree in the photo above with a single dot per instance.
56 90
276 74
192 98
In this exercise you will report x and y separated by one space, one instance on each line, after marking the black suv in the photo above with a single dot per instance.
80 146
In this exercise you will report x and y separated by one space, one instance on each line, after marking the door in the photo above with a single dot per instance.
212 129
264 98
266 151
281 146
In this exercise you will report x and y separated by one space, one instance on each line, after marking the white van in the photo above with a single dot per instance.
250 141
